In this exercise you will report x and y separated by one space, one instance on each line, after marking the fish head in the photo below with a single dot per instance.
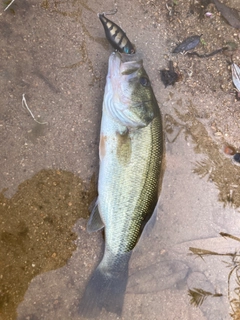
128 94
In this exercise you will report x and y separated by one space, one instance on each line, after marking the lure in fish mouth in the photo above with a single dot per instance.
130 152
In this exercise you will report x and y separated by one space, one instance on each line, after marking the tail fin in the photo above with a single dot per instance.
105 289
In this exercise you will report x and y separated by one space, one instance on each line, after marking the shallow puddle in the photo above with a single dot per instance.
36 230
186 265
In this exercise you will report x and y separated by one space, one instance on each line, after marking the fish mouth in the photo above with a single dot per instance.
123 64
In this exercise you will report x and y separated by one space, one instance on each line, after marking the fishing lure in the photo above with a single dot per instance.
116 36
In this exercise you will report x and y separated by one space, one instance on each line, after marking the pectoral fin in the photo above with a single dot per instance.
95 222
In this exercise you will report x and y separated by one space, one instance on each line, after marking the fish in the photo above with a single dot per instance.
116 36
130 152
169 77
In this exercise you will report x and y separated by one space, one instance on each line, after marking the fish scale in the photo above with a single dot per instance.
134 191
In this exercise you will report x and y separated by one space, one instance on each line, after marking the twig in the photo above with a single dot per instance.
206 55
24 104
203 252
169 10
198 296
9 5
223 234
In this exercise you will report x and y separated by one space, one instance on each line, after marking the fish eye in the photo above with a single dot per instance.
144 81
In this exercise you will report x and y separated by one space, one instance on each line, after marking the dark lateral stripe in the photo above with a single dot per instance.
111 27
120 42
115 34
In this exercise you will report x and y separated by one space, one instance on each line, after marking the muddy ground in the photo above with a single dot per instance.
55 52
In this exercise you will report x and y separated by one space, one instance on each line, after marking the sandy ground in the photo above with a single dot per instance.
55 53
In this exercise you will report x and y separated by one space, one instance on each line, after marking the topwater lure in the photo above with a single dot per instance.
116 36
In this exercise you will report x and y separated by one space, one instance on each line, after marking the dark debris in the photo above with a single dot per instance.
188 44
236 157
169 76
230 14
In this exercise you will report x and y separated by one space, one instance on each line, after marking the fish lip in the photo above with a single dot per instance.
119 63
114 64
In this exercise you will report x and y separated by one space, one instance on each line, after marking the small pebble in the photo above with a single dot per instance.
209 14
229 150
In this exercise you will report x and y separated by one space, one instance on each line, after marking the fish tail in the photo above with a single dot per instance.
105 289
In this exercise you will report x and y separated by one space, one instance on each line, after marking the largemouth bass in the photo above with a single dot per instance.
130 152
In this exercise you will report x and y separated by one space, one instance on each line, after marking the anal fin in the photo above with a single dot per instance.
95 222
